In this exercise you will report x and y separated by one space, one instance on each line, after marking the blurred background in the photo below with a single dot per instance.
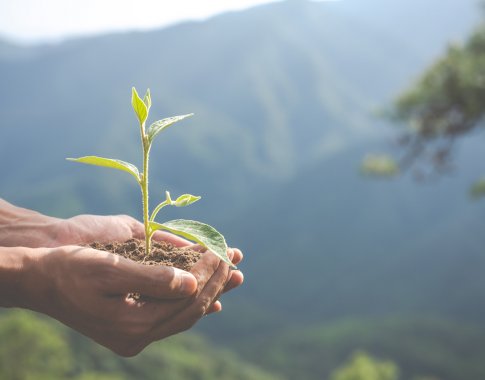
339 144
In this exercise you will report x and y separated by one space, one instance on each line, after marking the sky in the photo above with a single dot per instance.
33 21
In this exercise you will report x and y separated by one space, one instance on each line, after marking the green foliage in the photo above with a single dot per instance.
185 200
109 163
32 349
161 125
446 103
201 233
147 99
205 235
181 201
99 376
191 357
478 189
140 107
418 346
379 165
448 99
364 367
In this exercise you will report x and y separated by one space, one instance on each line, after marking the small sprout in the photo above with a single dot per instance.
379 165
185 200
147 99
198 232
140 108
478 189
168 198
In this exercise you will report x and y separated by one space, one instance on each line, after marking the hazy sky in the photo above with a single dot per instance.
52 20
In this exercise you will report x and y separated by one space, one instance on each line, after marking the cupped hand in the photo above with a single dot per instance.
85 229
88 291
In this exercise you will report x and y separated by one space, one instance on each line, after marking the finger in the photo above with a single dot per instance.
171 238
138 232
157 281
137 228
236 278
204 269
216 307
198 308
209 294
238 256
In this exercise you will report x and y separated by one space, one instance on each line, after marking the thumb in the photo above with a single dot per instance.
156 281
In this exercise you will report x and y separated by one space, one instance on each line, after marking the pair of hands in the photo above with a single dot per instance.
87 289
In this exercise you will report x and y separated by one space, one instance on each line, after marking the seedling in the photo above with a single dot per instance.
201 233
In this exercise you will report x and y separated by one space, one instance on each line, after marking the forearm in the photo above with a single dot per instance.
21 284
23 227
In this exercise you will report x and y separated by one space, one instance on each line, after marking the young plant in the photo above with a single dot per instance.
201 233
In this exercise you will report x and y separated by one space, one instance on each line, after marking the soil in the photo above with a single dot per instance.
162 253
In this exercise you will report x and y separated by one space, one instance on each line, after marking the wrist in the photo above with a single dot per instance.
22 280
20 227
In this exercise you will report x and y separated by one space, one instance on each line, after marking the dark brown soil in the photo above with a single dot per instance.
162 253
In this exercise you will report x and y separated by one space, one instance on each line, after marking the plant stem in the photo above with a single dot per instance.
144 189
157 209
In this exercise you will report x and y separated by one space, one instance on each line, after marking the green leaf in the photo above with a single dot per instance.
139 106
201 233
478 189
160 125
147 99
185 200
109 163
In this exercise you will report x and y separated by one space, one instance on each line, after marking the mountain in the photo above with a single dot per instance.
274 89
335 244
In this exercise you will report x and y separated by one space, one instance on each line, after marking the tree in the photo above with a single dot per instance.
445 104
364 367
31 348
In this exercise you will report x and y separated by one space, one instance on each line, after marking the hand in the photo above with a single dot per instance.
84 229
20 227
87 290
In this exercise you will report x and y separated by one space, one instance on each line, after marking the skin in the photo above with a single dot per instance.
43 268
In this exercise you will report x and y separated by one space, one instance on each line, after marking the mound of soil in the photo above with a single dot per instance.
162 253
